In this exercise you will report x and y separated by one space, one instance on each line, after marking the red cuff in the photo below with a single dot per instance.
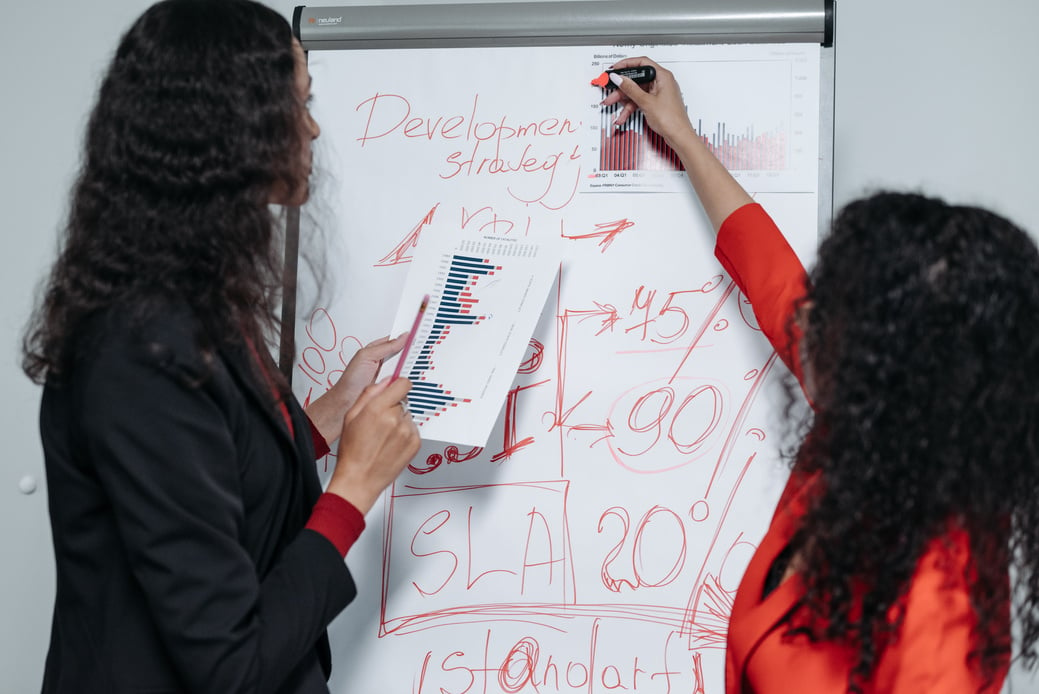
321 448
338 520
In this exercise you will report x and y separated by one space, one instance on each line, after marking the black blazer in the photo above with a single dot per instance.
177 501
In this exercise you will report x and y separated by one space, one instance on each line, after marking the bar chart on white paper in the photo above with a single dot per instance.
755 107
486 296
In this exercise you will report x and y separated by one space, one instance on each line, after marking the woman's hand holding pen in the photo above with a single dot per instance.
378 440
660 101
327 411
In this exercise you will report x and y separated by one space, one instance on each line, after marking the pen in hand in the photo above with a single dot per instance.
411 338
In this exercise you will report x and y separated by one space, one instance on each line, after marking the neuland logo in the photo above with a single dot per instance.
325 21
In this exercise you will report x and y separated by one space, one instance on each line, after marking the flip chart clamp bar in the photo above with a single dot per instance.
564 23
558 23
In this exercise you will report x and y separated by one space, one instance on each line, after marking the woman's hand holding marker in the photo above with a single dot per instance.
660 100
661 103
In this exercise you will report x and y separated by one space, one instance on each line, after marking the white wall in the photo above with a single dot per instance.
939 95
49 66
931 95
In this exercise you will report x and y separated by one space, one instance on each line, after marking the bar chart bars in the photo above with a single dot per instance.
755 107
486 295
456 305
636 147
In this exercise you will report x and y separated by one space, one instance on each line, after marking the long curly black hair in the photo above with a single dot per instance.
196 123
923 340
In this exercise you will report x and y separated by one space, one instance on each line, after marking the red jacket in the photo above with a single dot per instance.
929 654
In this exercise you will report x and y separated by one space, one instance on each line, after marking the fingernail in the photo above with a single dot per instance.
616 79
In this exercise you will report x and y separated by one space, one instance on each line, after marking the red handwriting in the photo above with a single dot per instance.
512 445
488 221
526 161
523 664
606 232
503 552
670 321
325 358
709 319
607 315
535 356
391 113
713 598
451 454
499 146
686 423
455 552
638 560
400 253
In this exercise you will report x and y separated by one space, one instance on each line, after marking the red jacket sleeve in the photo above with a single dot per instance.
753 251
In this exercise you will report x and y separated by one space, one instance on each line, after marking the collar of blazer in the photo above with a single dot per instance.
244 368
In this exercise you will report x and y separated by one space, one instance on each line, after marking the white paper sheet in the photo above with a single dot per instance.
486 296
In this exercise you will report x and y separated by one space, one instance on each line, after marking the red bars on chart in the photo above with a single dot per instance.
636 147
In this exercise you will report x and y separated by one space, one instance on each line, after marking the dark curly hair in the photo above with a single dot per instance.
196 123
923 338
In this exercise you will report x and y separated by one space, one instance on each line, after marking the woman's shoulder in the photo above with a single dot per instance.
163 334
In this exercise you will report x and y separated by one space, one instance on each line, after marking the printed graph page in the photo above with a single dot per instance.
755 107
486 296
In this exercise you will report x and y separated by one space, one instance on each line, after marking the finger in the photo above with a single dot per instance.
632 91
379 397
636 97
625 113
410 442
613 97
384 347
408 439
367 395
393 393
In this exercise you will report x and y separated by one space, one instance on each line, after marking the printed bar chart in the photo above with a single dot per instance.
454 307
485 298
756 115
637 147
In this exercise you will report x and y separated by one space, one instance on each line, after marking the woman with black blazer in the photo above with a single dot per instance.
195 550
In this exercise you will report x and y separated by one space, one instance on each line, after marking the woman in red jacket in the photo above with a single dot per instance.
916 339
